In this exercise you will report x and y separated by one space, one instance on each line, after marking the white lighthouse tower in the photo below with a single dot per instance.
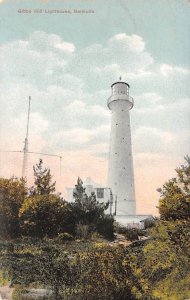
121 175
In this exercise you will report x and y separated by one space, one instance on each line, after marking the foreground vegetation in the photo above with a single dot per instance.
66 249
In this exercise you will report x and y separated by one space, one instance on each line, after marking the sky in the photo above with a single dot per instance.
67 62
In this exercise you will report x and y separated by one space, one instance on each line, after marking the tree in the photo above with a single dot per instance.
79 192
167 263
42 215
167 260
86 210
175 195
42 180
12 194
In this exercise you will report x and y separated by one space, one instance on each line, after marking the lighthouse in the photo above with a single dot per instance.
121 174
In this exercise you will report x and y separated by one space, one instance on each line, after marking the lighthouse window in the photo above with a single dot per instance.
100 193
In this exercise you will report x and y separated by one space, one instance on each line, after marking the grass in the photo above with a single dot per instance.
4 277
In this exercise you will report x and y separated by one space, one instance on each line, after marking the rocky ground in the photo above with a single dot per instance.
6 292
120 240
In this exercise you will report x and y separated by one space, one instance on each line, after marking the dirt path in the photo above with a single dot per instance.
6 292
120 240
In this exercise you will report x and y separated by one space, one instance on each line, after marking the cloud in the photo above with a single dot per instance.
168 70
134 42
151 102
40 60
37 126
73 96
81 138
121 55
161 141
152 141
67 47
163 114
42 41
148 101
78 114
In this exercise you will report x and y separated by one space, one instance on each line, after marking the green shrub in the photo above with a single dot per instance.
83 231
4 277
17 293
132 234
62 237
105 226
118 228
149 222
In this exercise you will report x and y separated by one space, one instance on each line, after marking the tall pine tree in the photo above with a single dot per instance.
42 180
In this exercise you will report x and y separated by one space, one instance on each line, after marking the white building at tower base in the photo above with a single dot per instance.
103 195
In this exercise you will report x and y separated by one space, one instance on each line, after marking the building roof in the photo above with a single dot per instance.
89 181
120 82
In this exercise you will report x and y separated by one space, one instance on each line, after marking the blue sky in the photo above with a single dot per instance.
67 62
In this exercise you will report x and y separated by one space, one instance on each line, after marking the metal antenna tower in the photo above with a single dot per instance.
25 150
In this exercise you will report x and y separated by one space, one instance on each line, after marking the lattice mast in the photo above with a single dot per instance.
25 150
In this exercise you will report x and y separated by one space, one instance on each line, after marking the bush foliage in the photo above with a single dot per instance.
156 269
